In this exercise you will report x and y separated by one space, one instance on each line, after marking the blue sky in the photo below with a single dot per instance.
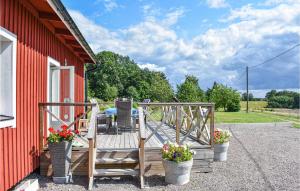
212 39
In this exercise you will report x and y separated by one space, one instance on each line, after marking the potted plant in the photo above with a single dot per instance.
60 147
177 162
221 144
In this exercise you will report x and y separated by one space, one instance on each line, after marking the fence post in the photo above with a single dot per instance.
212 125
177 124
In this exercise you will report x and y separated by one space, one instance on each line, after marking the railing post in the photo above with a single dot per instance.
91 163
212 125
142 137
142 161
177 124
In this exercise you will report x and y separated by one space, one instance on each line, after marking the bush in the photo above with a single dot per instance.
281 102
296 104
283 99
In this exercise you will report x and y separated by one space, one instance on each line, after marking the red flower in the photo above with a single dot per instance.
64 127
62 134
51 129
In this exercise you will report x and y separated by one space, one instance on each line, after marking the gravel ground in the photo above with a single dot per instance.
260 157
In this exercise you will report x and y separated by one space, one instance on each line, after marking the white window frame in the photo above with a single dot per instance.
12 37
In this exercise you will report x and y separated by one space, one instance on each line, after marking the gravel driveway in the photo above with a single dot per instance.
260 157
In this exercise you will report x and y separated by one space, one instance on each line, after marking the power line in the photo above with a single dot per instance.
273 58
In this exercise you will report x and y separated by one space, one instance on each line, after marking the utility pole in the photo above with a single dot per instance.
247 82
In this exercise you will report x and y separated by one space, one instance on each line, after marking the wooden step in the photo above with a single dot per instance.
115 172
119 153
116 161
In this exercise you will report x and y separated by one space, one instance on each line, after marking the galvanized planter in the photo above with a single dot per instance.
220 151
177 173
61 154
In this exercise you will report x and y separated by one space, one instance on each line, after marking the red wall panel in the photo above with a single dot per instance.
19 147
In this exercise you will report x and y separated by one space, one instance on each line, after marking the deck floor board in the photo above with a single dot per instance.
129 139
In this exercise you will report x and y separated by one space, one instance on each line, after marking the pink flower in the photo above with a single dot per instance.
166 147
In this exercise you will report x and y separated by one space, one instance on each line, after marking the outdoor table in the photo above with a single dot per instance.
112 112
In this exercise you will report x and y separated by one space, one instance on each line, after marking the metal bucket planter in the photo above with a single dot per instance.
61 154
177 173
220 151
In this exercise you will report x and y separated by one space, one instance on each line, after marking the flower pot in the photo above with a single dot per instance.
60 154
177 173
220 151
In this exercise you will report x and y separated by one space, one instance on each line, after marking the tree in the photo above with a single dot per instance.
189 90
110 93
160 90
120 76
209 91
133 93
270 94
244 97
226 98
283 99
280 102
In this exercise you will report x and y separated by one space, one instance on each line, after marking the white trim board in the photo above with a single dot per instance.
4 33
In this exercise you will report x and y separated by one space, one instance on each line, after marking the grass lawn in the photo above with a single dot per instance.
253 117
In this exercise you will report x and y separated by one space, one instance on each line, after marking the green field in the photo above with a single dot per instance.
254 105
254 117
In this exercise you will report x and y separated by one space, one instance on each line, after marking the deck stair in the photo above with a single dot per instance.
116 163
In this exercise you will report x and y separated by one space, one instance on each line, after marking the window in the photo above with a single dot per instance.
8 48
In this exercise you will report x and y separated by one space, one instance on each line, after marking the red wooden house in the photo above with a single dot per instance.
41 60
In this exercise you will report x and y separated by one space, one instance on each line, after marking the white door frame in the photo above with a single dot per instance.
51 62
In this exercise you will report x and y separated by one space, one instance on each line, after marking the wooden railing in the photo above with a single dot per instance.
193 120
142 138
44 109
92 137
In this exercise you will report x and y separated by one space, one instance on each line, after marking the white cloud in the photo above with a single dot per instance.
173 16
152 67
251 36
217 3
110 5
276 2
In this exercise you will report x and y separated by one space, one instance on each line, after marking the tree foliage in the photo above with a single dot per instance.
225 97
190 91
244 97
283 99
119 76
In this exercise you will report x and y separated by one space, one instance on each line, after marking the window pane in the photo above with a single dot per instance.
6 91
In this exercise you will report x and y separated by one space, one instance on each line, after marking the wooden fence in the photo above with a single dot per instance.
194 120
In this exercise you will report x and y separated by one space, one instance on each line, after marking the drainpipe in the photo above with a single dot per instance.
86 81
86 84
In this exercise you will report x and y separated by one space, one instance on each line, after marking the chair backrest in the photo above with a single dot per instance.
123 112
146 100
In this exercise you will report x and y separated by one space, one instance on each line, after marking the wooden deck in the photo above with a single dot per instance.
137 151
129 138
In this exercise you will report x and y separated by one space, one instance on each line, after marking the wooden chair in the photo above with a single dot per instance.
83 125
124 119
103 121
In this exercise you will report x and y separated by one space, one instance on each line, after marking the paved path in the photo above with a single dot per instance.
260 157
